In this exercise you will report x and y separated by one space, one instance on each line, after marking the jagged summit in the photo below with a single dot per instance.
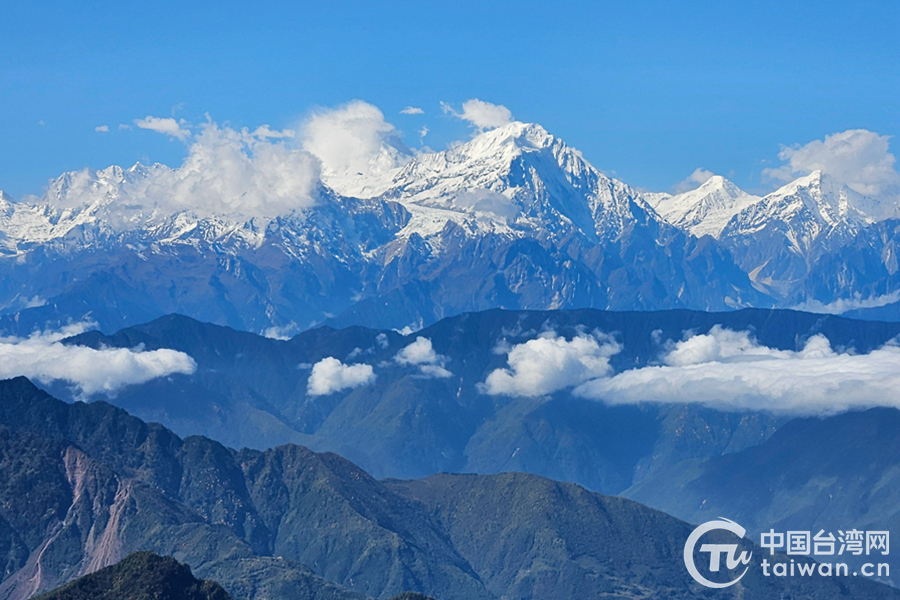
512 218
807 208
519 176
705 210
778 239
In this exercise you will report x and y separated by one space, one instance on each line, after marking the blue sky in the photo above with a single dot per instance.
648 91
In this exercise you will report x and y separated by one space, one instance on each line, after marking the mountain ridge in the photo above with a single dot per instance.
414 534
513 218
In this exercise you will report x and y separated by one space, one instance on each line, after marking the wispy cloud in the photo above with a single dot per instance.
480 114
165 125
842 305
102 129
43 358
264 132
412 110
693 181
489 201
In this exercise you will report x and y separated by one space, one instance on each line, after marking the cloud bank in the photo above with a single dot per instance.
43 358
729 370
480 114
226 172
551 363
722 369
330 375
421 354
859 158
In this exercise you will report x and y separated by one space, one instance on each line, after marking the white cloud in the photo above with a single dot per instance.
421 353
102 129
842 305
551 363
124 127
693 181
44 358
230 172
412 110
859 158
353 139
731 371
330 375
165 125
482 115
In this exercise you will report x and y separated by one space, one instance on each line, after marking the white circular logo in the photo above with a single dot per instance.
715 552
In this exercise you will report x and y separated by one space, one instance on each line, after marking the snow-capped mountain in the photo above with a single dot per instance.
778 239
513 179
705 210
512 218
781 238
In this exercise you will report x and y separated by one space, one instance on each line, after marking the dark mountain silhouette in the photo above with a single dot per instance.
84 485
140 576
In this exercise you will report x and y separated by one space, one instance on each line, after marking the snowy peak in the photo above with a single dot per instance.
519 176
815 203
479 163
835 202
705 210
505 141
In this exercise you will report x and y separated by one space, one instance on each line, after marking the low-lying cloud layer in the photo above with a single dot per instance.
842 305
722 369
330 375
43 358
730 371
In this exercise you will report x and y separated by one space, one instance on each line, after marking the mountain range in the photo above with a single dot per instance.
513 218
82 486
410 422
